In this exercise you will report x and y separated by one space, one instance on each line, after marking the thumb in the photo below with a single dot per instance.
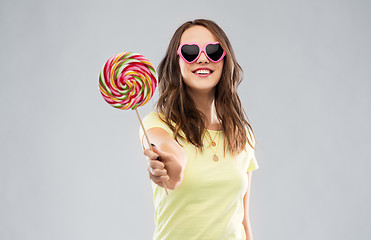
163 156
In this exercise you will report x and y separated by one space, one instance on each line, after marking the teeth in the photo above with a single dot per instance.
203 71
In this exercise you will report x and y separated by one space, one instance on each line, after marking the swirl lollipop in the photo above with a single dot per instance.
127 81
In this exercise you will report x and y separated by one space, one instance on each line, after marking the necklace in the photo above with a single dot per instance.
212 144
213 140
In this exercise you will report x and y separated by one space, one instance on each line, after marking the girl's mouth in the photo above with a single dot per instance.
203 72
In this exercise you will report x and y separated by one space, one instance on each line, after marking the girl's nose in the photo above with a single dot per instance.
202 58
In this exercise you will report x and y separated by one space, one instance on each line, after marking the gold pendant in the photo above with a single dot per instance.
213 144
215 158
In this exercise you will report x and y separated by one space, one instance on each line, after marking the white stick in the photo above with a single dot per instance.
149 143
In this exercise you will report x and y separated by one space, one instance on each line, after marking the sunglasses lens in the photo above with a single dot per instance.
190 52
214 51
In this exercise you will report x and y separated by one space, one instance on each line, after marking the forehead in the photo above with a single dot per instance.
197 34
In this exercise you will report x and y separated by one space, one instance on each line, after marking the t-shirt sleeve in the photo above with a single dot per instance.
150 121
253 165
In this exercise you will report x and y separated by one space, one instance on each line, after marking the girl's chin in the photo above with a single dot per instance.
200 89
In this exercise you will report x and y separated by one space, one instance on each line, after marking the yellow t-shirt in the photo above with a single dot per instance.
209 202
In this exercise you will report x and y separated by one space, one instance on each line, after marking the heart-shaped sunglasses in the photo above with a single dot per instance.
190 52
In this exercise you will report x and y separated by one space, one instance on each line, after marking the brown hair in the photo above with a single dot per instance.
176 105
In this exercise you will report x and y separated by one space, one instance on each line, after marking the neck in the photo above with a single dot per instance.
205 102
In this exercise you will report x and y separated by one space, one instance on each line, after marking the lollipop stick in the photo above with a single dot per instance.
149 144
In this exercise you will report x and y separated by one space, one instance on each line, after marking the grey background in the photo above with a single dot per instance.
72 167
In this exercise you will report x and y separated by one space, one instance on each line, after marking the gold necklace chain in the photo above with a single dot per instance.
212 140
215 157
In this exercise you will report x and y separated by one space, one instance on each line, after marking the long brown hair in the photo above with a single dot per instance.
176 105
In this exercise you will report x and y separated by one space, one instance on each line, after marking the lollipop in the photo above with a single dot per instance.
127 81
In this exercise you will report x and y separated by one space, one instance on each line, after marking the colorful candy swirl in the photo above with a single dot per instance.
127 80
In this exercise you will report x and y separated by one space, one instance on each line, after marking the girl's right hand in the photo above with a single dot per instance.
163 167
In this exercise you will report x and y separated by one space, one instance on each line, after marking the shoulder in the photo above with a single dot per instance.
152 120
152 116
253 164
250 136
155 117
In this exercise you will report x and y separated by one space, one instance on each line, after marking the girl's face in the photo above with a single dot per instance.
202 75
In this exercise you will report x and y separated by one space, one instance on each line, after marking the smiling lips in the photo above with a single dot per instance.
203 72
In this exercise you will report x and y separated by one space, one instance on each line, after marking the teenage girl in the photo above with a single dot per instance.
203 145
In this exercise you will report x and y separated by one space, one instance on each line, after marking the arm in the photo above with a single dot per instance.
246 200
173 158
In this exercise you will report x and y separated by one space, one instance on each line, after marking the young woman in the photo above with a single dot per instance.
203 145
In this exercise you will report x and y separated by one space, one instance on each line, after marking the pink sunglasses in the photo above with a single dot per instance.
190 52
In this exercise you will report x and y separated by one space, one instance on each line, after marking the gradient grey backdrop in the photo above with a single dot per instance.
72 167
